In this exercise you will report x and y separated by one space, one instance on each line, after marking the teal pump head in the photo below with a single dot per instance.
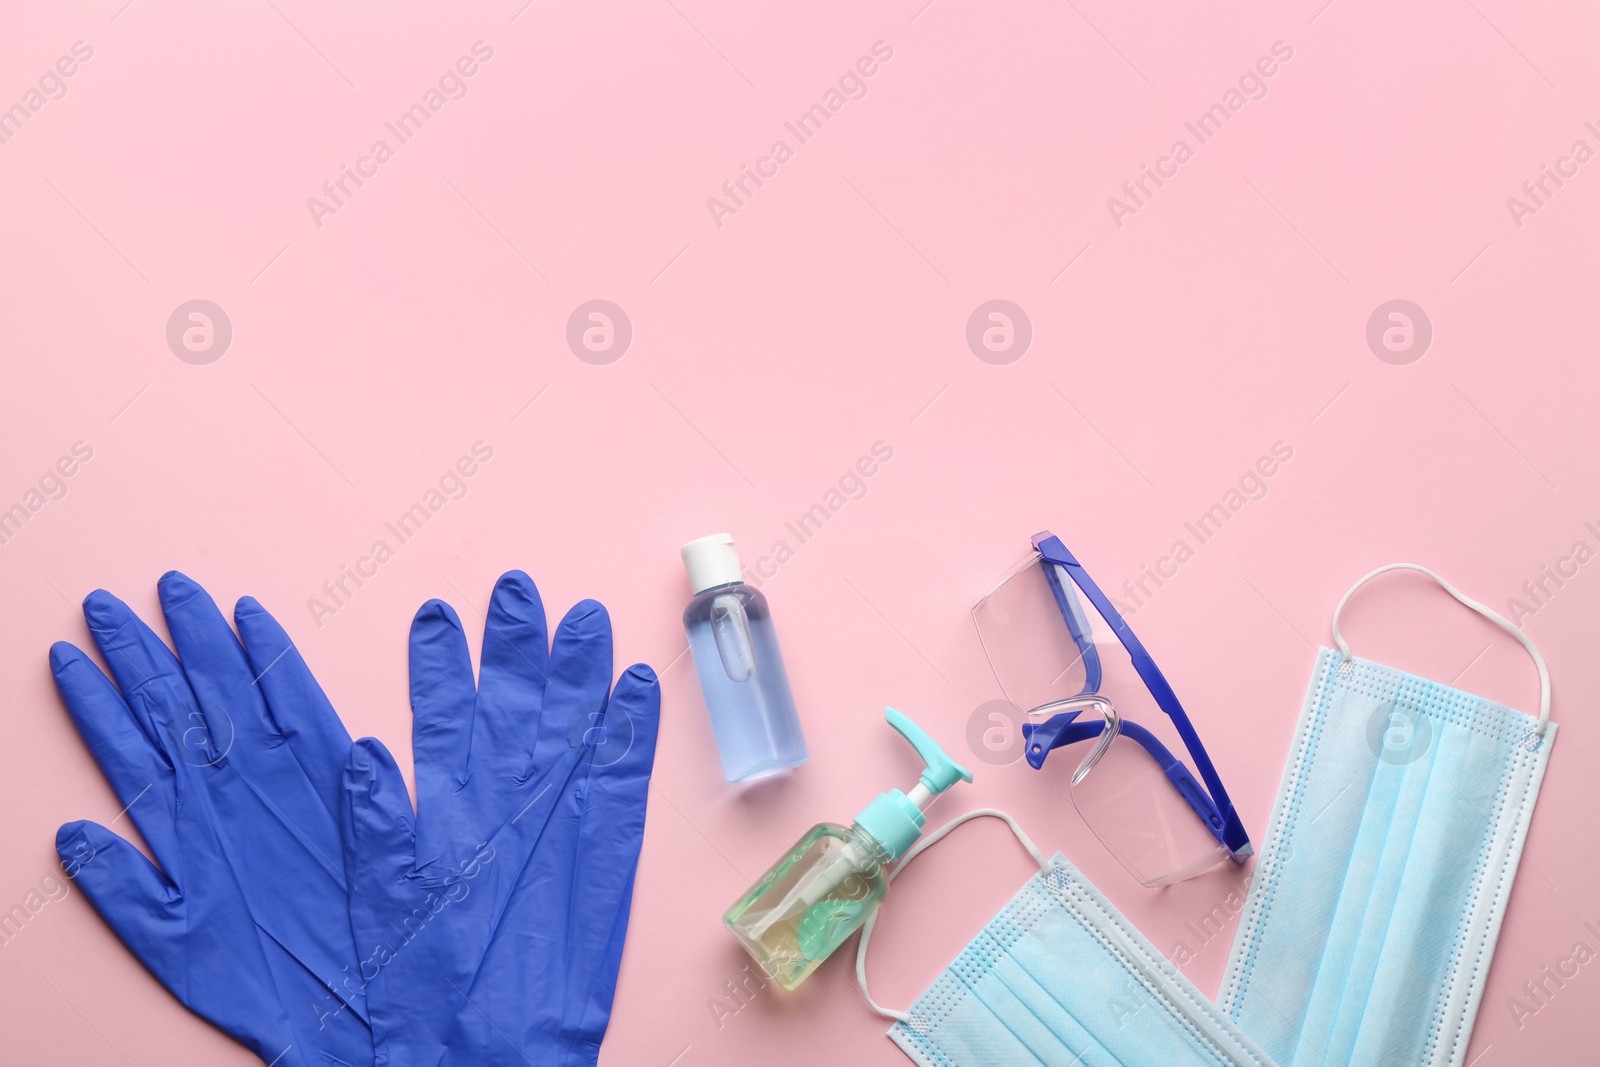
895 819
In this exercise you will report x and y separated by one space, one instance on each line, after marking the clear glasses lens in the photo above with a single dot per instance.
1032 651
1141 817
1046 643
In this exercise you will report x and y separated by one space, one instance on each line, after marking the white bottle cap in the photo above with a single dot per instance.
712 561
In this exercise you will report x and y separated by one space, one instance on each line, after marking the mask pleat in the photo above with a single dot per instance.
1424 938
1373 888
1052 1032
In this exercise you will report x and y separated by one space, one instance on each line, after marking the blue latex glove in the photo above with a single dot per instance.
544 990
506 769
230 764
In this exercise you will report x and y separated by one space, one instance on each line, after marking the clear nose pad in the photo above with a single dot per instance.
1108 714
1097 705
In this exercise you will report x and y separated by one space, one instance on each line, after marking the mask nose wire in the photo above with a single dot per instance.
1482 609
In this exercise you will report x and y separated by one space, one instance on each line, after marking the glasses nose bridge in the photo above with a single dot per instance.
1099 705
1108 714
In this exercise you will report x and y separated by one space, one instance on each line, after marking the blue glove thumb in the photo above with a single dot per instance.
152 918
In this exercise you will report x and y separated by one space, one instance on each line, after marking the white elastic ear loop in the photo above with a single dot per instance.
1487 612
925 843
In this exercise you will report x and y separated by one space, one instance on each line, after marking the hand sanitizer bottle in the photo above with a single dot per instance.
741 671
826 886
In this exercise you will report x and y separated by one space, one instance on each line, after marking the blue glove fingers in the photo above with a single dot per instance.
632 719
385 892
608 854
151 681
134 898
575 695
379 838
140 773
516 659
305 718
546 984
284 837
443 695
217 670
580 1045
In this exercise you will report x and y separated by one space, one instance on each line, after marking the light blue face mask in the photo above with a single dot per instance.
1060 978
1384 874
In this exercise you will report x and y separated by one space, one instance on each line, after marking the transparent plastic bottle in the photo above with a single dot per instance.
811 901
736 655
825 887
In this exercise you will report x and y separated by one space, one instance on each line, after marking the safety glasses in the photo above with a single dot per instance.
1060 650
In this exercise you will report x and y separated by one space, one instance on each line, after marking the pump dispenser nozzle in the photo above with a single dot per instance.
896 818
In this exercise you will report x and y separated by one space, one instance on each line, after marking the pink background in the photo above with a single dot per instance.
768 354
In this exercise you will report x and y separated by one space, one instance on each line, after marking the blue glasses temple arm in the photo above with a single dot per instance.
1043 738
1052 550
